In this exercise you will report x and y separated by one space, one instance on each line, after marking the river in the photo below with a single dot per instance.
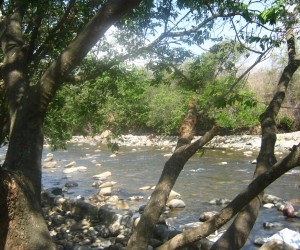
215 174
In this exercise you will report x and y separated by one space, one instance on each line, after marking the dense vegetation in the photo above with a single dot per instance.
132 99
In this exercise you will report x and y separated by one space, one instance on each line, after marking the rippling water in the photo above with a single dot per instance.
215 174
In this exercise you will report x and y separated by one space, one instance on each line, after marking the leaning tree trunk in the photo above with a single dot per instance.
237 234
184 150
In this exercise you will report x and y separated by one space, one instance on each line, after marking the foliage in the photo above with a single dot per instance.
167 108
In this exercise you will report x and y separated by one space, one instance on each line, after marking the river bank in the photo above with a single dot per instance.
236 142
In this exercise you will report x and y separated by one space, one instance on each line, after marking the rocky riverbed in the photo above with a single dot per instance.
84 225
105 221
237 142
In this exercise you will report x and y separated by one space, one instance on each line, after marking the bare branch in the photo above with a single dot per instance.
243 45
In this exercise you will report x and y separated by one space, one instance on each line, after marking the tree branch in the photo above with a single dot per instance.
108 14
42 50
242 199
237 234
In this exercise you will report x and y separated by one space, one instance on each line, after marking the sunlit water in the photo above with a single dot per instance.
216 174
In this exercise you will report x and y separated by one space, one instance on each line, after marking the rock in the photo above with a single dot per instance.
207 215
71 184
145 188
176 203
105 191
71 164
173 195
70 170
55 191
268 205
82 209
113 199
268 198
288 210
122 205
272 224
219 201
97 183
136 198
276 244
102 176
108 184
50 164
80 225
82 168
49 157
289 237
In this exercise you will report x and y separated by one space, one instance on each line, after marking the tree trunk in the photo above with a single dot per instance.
237 234
173 167
241 200
22 225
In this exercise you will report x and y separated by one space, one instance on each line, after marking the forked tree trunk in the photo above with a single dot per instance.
173 167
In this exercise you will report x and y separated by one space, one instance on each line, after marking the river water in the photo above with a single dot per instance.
215 174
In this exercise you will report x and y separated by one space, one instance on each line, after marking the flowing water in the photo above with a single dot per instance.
215 174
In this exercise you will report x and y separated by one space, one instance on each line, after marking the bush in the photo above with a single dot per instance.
167 108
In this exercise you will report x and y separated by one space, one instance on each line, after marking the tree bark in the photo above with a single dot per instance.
173 167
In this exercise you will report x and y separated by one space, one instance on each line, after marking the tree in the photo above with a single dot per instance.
43 43
31 77
246 205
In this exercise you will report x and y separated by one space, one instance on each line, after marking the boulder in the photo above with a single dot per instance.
105 191
71 164
71 184
176 203
102 176
173 195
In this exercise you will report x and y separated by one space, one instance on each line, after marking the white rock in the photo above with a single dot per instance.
105 191
108 184
82 168
145 188
71 164
176 203
173 195
70 170
269 205
102 176
50 164
136 198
